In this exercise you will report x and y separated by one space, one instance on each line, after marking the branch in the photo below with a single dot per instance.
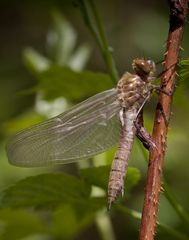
178 10
93 22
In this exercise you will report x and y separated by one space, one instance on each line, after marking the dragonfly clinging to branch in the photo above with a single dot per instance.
91 127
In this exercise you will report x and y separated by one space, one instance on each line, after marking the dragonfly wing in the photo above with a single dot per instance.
85 130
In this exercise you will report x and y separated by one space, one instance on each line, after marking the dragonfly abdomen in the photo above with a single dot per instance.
120 162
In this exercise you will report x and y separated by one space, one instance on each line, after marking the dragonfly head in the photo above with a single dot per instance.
144 67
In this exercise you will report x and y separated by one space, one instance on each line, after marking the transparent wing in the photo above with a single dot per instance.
87 129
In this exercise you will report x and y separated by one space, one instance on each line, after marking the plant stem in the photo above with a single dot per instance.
106 50
98 32
87 16
182 213
178 10
137 215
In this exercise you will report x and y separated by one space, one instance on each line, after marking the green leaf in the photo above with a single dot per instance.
46 191
35 61
17 224
70 219
62 81
98 176
61 39
89 207
181 94
65 223
79 58
132 178
184 69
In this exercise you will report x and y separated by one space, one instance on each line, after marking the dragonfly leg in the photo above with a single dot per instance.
143 134
158 89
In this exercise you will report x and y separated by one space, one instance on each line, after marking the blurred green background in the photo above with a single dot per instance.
49 61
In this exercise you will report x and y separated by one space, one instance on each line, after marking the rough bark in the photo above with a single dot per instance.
178 10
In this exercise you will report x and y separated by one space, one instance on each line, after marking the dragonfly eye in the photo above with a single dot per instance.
144 66
151 65
150 62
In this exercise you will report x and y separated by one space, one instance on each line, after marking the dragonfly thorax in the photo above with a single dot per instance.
132 91
135 89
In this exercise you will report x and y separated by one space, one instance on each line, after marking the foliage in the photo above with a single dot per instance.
71 84
64 198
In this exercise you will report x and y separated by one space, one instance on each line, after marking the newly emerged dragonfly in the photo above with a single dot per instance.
89 128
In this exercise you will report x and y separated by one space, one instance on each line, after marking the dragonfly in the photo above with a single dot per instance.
92 127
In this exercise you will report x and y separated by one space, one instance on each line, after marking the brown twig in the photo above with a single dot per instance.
178 10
